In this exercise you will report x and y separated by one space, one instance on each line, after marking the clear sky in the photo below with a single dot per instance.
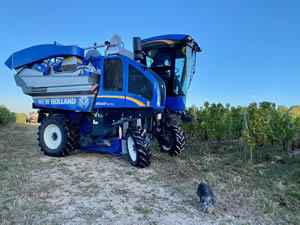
251 48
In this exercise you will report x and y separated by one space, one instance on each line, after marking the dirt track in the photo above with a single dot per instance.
94 188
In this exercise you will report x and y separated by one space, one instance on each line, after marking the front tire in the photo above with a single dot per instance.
172 141
57 136
139 152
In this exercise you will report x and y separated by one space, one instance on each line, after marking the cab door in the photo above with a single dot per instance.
111 93
140 88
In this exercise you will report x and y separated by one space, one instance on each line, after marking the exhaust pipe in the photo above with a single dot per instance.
137 48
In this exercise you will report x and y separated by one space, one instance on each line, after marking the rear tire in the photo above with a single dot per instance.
57 136
139 152
172 141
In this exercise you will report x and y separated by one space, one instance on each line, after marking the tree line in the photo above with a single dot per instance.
6 116
266 124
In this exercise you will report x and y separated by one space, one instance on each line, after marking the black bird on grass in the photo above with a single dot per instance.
207 198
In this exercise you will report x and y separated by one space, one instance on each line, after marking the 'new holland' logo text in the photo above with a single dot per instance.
57 101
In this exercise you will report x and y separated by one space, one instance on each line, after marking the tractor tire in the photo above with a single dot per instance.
172 141
57 136
138 148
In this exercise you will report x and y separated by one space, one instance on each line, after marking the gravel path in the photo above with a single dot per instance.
95 188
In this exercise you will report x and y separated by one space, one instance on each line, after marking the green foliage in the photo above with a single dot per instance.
283 127
13 117
247 139
260 122
215 122
237 121
266 125
6 116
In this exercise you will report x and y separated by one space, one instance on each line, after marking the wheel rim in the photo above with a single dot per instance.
131 148
167 141
52 136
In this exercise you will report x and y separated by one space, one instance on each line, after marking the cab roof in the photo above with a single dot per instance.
169 39
177 37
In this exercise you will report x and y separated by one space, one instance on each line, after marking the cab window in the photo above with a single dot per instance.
113 75
139 84
158 59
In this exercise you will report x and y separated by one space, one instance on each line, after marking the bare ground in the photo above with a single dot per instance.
95 188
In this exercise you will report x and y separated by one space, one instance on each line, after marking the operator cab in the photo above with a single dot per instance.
173 58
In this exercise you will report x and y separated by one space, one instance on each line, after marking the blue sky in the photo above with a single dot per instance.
251 48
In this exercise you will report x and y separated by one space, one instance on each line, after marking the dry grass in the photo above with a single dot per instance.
18 151
96 188
268 190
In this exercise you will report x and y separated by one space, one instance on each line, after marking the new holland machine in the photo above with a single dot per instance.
116 102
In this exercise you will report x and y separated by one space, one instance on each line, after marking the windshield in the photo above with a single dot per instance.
184 69
175 65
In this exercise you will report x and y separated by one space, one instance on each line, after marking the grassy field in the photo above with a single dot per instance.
93 188
270 189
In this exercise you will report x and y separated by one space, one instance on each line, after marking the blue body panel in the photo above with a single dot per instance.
123 99
40 52
166 37
115 148
176 103
105 99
